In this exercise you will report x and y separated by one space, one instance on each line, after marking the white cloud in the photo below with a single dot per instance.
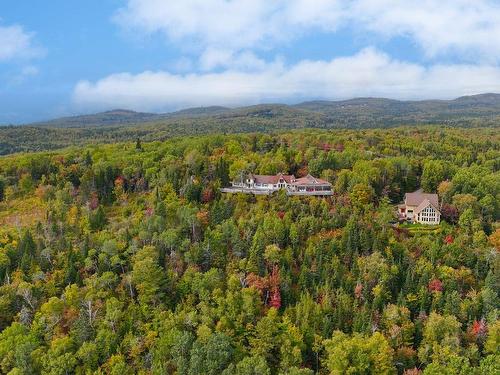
16 43
368 73
233 24
213 58
469 29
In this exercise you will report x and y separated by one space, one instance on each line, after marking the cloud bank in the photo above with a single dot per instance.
459 42
465 27
368 73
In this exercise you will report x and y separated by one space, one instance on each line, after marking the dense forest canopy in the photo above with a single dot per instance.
126 258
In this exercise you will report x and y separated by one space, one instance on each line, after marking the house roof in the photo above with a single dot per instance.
425 203
265 179
310 180
417 197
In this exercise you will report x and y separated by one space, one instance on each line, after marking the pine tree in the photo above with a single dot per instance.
138 145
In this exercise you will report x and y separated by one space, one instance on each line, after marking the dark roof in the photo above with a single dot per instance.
417 197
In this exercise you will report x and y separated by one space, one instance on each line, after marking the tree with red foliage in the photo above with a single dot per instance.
339 147
358 290
436 285
207 195
479 329
259 283
274 288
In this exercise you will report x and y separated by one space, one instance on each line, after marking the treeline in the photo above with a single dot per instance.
136 263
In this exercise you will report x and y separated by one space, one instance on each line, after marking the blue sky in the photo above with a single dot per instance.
62 57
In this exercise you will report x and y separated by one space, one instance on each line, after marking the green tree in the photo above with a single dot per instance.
16 346
255 365
98 219
211 356
359 354
361 195
434 171
441 333
148 277
449 363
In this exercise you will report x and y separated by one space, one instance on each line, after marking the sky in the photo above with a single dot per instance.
61 57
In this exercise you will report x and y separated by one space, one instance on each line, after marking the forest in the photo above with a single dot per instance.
125 258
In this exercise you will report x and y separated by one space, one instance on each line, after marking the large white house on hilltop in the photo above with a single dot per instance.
420 207
265 184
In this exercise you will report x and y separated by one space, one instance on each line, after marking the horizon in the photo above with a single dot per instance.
59 59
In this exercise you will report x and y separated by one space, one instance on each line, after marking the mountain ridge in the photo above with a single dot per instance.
122 125
334 110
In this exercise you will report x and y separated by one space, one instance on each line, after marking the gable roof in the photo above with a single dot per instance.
265 179
425 203
310 180
417 197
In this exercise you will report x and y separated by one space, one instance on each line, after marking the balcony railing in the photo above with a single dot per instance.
263 191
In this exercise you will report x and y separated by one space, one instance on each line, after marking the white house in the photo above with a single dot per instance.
265 184
420 207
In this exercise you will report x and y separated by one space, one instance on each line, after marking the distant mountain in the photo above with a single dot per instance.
127 117
124 125
359 112
363 112
113 117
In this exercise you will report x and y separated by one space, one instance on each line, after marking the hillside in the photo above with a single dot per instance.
367 112
129 259
113 117
123 125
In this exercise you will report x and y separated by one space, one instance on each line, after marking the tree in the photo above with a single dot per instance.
148 277
359 354
255 365
434 172
441 333
444 190
449 363
397 326
489 365
60 359
492 344
211 356
26 184
88 159
26 251
138 144
16 346
361 195
265 341
97 219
